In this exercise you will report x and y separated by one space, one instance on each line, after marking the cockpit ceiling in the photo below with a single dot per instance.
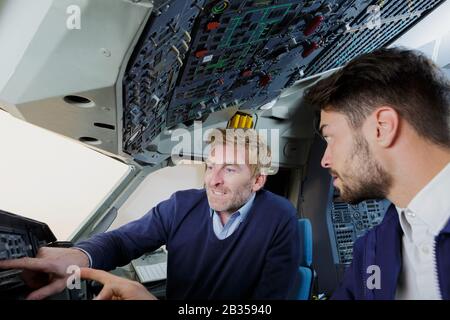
197 57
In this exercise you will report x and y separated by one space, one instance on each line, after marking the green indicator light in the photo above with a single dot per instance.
220 7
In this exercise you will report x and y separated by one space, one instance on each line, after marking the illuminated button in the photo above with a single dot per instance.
220 7
201 53
212 25
208 58
247 73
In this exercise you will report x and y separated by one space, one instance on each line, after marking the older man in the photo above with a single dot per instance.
231 240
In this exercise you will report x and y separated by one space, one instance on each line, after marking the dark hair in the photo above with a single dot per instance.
402 79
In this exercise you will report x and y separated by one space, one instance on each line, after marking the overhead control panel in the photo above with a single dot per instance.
197 57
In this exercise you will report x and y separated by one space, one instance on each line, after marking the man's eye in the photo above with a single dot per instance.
230 170
208 167
327 139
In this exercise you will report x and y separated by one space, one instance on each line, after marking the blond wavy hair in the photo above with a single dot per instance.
258 153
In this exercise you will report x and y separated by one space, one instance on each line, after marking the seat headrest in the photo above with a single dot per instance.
306 242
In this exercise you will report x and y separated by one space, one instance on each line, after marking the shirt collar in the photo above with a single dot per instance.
243 211
432 203
405 225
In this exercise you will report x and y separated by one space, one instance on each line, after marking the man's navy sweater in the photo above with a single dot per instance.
258 261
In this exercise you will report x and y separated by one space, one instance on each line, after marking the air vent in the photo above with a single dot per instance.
79 101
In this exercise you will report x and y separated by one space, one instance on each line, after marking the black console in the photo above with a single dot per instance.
19 237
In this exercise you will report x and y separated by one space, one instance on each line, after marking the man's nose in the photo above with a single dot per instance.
326 159
216 177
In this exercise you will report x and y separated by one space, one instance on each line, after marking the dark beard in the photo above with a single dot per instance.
371 181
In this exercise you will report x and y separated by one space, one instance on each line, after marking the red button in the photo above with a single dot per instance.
264 80
212 25
201 53
309 49
313 25
247 73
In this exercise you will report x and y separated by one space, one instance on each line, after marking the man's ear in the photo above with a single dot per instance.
259 182
387 122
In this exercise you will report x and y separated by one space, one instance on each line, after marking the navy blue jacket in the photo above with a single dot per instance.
382 247
258 261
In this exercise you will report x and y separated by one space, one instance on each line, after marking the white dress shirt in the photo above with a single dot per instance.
224 231
421 221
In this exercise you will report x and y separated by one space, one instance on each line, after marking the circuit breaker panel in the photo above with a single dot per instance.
196 57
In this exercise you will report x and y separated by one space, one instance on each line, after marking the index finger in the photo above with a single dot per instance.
28 263
94 274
